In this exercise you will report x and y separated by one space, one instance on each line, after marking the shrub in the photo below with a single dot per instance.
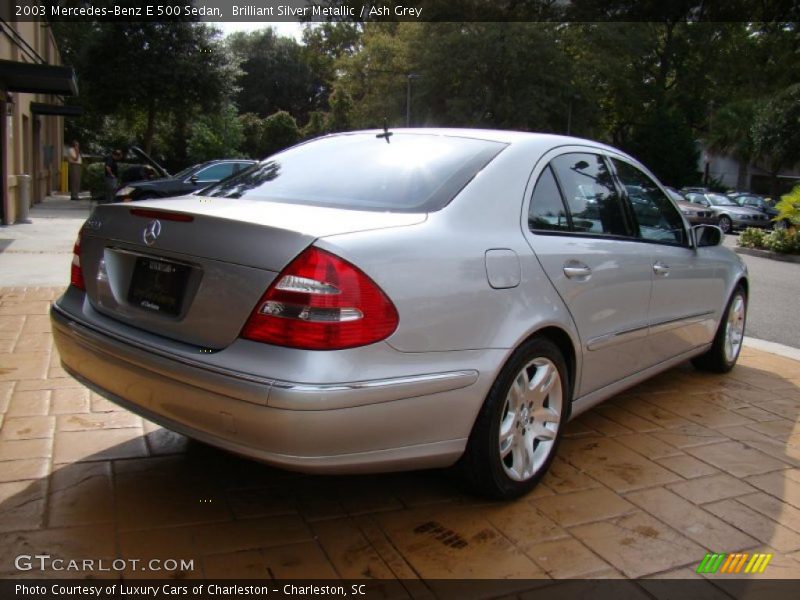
783 240
93 178
279 131
789 208
752 238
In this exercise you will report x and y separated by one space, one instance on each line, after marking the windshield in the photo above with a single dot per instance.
399 173
187 171
720 200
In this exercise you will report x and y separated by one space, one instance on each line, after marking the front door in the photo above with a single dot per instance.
688 285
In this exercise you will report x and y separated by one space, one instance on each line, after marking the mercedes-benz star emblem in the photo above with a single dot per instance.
151 232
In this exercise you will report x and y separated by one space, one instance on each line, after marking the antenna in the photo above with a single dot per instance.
386 133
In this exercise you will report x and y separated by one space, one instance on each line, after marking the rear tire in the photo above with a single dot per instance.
724 351
517 432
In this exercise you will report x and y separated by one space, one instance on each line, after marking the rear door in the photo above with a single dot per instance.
581 234
687 284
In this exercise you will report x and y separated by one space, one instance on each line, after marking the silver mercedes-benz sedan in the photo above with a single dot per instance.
386 300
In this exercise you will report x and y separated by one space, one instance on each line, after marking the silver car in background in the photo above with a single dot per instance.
377 301
730 215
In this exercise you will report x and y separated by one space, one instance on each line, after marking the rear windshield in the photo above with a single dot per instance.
404 173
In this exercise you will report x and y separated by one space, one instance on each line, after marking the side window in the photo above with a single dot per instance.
547 208
658 219
590 194
215 173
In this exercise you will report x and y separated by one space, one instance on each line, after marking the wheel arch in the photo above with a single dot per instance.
564 343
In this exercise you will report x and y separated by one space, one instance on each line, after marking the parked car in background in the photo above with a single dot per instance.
730 216
695 214
386 300
186 181
759 203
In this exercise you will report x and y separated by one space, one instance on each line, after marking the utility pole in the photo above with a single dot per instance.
409 77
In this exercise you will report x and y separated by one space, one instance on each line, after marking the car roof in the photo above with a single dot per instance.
494 135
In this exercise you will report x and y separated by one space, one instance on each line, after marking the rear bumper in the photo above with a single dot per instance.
376 425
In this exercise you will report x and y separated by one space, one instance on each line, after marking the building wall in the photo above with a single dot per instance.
725 169
34 143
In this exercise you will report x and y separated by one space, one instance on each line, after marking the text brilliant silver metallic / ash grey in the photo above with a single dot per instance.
385 300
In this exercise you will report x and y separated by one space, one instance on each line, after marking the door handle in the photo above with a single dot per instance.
577 270
661 269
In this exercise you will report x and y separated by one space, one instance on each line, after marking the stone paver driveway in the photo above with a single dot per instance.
644 486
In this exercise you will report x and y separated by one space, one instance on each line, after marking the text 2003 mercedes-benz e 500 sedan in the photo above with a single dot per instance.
375 301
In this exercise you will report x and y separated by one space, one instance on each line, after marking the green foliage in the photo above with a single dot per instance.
783 240
316 125
776 130
252 132
146 74
752 237
339 118
664 141
216 135
652 86
274 74
279 131
789 207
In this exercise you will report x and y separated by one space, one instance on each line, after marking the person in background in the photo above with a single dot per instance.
112 174
74 159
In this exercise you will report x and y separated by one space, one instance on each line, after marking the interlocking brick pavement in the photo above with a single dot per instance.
644 485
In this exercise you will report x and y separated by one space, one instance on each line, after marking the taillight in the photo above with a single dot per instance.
321 302
76 273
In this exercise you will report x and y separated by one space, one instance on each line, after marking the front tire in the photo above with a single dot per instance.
518 429
724 352
726 224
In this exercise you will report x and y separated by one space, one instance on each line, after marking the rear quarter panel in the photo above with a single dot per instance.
435 272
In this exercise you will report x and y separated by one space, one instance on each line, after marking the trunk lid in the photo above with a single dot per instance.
197 278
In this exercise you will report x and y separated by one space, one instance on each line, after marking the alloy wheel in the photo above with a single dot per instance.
734 328
530 419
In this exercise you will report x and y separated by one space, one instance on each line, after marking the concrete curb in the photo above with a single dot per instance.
772 348
792 258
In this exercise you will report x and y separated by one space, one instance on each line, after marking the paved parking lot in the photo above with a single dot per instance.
644 486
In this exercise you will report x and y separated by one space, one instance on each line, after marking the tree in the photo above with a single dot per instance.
252 133
339 117
279 131
163 71
274 75
731 132
776 132
215 135
316 125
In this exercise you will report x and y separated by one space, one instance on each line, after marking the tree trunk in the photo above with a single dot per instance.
741 175
151 127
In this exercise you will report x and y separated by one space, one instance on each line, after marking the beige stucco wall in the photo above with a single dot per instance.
42 160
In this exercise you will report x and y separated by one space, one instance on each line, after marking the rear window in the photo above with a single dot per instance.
409 173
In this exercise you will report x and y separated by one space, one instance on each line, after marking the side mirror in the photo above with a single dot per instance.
193 179
706 235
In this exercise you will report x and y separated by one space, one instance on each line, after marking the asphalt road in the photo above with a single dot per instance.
774 312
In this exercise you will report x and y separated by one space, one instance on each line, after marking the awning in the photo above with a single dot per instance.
61 110
37 78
